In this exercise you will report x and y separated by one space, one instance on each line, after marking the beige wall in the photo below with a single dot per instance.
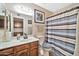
33 6
39 29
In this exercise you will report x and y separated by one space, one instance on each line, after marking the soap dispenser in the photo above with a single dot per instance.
18 36
25 36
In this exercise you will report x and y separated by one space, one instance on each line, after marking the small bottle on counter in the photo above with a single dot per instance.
25 36
18 36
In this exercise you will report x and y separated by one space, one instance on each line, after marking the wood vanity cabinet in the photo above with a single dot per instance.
29 49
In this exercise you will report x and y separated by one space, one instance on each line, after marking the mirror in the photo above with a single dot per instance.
10 26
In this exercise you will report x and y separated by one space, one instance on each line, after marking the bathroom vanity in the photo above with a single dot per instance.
26 47
11 25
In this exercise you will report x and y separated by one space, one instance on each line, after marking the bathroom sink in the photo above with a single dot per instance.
23 40
20 40
14 40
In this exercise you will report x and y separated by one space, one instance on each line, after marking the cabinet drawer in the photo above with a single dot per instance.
34 44
6 51
21 47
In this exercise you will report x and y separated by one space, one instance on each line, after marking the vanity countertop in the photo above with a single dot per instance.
15 42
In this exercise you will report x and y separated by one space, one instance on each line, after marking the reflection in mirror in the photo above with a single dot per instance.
18 26
30 25
9 22
2 22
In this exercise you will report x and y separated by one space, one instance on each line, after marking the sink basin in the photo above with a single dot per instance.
14 40
23 40
20 40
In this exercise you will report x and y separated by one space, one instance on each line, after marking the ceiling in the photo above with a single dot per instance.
53 7
25 8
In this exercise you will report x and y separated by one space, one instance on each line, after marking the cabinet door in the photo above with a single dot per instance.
21 47
34 52
6 52
34 48
23 53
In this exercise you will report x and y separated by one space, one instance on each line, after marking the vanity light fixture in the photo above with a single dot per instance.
23 9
